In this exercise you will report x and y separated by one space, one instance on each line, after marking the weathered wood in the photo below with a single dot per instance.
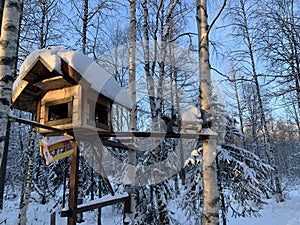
53 219
35 124
57 97
114 144
26 97
96 204
73 194
53 83
39 70
59 122
70 72
200 136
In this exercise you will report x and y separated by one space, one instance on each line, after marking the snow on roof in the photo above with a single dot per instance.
100 80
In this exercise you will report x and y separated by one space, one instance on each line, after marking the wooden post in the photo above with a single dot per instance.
53 219
126 210
73 195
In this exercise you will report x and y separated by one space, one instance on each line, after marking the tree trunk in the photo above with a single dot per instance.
132 70
3 165
210 182
238 101
42 28
8 57
149 78
269 146
1 13
85 25
133 113
162 207
27 182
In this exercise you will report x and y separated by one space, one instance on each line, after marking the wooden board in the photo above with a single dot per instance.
53 83
26 97
89 134
38 71
96 204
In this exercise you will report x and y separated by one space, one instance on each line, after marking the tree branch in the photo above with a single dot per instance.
183 34
217 17
230 79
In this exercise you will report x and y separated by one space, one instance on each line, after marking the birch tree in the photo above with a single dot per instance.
27 182
8 58
210 180
85 25
132 91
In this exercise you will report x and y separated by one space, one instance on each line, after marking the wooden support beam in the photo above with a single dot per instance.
201 136
34 124
99 203
73 194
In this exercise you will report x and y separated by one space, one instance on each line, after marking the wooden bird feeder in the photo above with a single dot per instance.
64 96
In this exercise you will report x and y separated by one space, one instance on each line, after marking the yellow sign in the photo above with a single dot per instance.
56 147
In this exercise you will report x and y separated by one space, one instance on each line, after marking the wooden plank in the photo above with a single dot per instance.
98 203
23 84
60 94
34 124
39 70
59 122
59 101
26 96
53 83
73 194
154 135
69 72
114 144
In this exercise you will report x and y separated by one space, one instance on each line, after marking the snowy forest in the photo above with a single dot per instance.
236 61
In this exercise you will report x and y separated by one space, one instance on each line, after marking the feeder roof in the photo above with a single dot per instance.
57 67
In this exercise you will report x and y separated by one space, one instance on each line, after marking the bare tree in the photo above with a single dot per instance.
244 30
85 25
210 180
40 26
280 43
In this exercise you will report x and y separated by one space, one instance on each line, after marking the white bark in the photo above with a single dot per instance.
27 182
8 57
132 70
133 113
210 181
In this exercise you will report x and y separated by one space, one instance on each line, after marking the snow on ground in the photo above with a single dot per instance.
285 213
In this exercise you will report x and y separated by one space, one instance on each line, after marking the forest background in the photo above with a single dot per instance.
254 58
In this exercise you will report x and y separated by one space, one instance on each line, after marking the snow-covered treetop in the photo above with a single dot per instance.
100 80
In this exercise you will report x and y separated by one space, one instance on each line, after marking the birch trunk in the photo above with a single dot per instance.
8 57
133 113
210 182
132 70
84 26
27 182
